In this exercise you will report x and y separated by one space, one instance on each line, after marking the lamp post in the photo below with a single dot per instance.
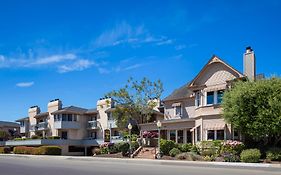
159 124
130 128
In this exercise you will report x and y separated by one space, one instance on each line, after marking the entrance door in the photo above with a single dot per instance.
64 134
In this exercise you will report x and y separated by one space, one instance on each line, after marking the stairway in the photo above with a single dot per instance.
146 153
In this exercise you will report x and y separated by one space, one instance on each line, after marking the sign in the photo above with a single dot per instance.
106 135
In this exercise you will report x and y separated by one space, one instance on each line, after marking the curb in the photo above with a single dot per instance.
274 167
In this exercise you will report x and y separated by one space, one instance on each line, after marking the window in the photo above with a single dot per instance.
180 136
75 117
178 110
219 96
198 131
211 135
210 98
173 135
22 123
69 117
93 134
236 135
64 117
188 137
220 135
197 99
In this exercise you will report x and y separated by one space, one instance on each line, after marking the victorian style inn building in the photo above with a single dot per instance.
192 113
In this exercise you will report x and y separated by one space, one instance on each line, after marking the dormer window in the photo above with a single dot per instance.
178 110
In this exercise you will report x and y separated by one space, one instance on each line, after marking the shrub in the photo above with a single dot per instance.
210 148
123 147
23 150
104 150
173 152
189 156
135 145
194 149
50 150
37 151
250 155
229 157
36 137
209 158
96 151
274 154
113 149
185 147
53 137
5 150
232 147
166 146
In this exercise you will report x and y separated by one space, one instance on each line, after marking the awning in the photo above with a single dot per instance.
176 104
215 126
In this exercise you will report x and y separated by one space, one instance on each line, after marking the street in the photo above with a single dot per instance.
57 166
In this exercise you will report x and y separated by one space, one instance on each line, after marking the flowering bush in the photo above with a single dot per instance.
231 150
149 134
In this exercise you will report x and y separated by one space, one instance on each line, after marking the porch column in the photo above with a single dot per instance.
168 134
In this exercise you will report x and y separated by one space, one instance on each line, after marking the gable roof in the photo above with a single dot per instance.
71 109
180 93
215 59
9 124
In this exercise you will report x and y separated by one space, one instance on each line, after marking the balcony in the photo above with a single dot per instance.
67 125
23 129
32 128
111 124
208 110
42 126
92 124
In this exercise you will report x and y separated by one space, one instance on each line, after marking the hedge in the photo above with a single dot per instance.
43 150
274 154
5 150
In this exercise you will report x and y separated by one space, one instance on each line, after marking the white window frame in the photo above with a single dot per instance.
198 99
215 133
175 111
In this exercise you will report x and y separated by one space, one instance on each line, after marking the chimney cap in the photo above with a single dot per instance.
249 48
57 99
35 106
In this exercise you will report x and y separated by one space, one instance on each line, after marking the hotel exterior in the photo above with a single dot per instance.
193 112
75 129
190 114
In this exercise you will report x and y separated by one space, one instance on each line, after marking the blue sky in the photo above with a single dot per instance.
79 50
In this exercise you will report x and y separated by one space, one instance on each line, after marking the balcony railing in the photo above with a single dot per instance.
67 125
92 124
32 128
42 126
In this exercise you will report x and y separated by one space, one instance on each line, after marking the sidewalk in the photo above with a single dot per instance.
274 167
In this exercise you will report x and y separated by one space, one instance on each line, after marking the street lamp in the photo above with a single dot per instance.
159 124
130 128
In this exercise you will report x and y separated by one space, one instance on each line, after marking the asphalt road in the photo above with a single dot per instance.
58 166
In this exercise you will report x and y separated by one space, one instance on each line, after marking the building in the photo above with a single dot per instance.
192 113
10 128
77 129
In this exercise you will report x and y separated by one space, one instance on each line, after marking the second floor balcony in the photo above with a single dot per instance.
42 126
67 125
92 124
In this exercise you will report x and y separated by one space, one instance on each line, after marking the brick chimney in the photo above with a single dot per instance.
250 64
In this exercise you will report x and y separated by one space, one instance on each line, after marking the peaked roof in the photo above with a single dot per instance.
9 124
71 109
215 59
180 93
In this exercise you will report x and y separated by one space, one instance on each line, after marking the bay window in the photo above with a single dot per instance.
210 98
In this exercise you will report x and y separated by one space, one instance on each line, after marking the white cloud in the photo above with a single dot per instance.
53 59
180 47
78 65
165 42
25 84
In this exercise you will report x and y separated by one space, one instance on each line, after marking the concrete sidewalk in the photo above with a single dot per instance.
275 167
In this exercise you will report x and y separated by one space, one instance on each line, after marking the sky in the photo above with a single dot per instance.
78 50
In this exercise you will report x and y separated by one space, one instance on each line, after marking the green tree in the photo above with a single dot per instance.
3 135
136 100
254 108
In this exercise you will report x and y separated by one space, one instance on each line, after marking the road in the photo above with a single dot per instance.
59 166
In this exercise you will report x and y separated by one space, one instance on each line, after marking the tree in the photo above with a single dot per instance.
3 135
135 101
254 108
